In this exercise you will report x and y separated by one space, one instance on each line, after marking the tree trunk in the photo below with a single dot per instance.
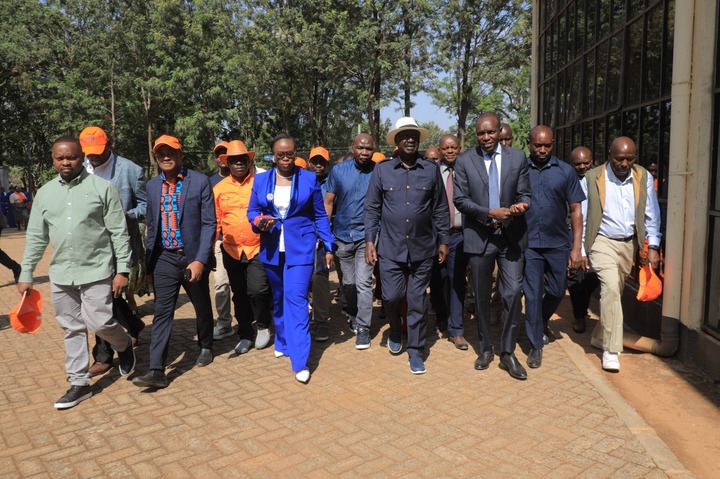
148 126
113 123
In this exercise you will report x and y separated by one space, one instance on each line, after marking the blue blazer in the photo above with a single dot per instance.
305 222
197 220
472 197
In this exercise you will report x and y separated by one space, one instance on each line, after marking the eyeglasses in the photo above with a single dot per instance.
285 154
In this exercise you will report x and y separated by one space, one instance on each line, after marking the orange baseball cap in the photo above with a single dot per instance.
236 148
378 157
222 144
25 317
319 151
93 140
301 162
168 140
650 285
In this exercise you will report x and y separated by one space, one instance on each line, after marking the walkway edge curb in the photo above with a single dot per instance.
648 437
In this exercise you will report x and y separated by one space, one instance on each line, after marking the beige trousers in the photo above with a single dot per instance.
612 260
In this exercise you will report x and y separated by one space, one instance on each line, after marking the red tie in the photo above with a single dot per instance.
450 188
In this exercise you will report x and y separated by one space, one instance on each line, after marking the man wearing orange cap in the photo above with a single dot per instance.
221 283
129 181
82 217
622 212
181 228
240 247
319 161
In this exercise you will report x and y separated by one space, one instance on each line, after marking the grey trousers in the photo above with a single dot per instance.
357 280
83 307
222 289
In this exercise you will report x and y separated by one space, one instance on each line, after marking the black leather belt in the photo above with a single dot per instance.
455 230
179 252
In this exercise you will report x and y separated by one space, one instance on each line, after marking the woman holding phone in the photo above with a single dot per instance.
286 208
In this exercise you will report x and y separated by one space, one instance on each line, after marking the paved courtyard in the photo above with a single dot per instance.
363 414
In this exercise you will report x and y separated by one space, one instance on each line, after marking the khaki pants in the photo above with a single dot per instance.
612 261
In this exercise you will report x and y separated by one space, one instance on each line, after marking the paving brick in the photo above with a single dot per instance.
362 414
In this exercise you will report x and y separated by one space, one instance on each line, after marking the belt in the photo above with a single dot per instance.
179 252
623 240
455 230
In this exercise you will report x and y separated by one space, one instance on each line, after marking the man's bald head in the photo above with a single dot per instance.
506 134
582 160
363 148
449 147
540 144
433 154
623 154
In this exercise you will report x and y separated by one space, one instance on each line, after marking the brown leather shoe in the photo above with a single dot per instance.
459 342
98 368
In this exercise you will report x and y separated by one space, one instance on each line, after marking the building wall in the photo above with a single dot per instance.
648 70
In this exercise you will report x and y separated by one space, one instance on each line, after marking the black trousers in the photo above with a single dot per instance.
102 351
510 279
581 286
167 279
251 294
401 281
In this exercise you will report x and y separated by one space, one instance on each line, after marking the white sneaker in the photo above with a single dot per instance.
303 376
279 354
596 343
611 361
220 332
262 339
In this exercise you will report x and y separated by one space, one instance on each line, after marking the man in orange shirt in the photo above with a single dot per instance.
240 246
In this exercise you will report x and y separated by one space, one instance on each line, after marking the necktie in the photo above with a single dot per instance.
494 179
449 189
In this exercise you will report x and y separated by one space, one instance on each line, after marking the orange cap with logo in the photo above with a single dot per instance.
650 285
25 317
93 140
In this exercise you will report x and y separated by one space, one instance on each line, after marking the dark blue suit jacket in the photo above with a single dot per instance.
472 197
197 219
305 222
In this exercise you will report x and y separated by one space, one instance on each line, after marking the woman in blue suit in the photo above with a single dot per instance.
286 208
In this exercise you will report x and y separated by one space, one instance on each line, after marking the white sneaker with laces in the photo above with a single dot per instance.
611 361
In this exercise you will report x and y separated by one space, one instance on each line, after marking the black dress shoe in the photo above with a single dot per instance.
534 359
548 336
204 358
153 379
483 361
509 363
579 325
459 342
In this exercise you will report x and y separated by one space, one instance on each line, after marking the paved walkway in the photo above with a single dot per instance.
361 415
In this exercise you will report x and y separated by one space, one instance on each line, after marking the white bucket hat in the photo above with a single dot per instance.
406 123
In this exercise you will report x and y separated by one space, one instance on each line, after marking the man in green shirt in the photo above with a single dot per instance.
81 215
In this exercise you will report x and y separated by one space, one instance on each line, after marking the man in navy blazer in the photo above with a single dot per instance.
492 191
181 227
129 181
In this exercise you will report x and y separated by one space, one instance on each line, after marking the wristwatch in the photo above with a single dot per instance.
653 247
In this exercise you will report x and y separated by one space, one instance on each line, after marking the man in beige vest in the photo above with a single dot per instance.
622 212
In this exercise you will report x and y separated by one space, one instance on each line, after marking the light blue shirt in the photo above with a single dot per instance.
618 220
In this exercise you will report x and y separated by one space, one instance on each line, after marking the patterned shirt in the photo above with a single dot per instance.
170 211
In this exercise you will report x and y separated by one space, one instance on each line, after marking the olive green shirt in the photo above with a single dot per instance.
85 223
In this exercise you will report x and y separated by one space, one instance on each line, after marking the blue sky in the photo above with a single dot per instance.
424 111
